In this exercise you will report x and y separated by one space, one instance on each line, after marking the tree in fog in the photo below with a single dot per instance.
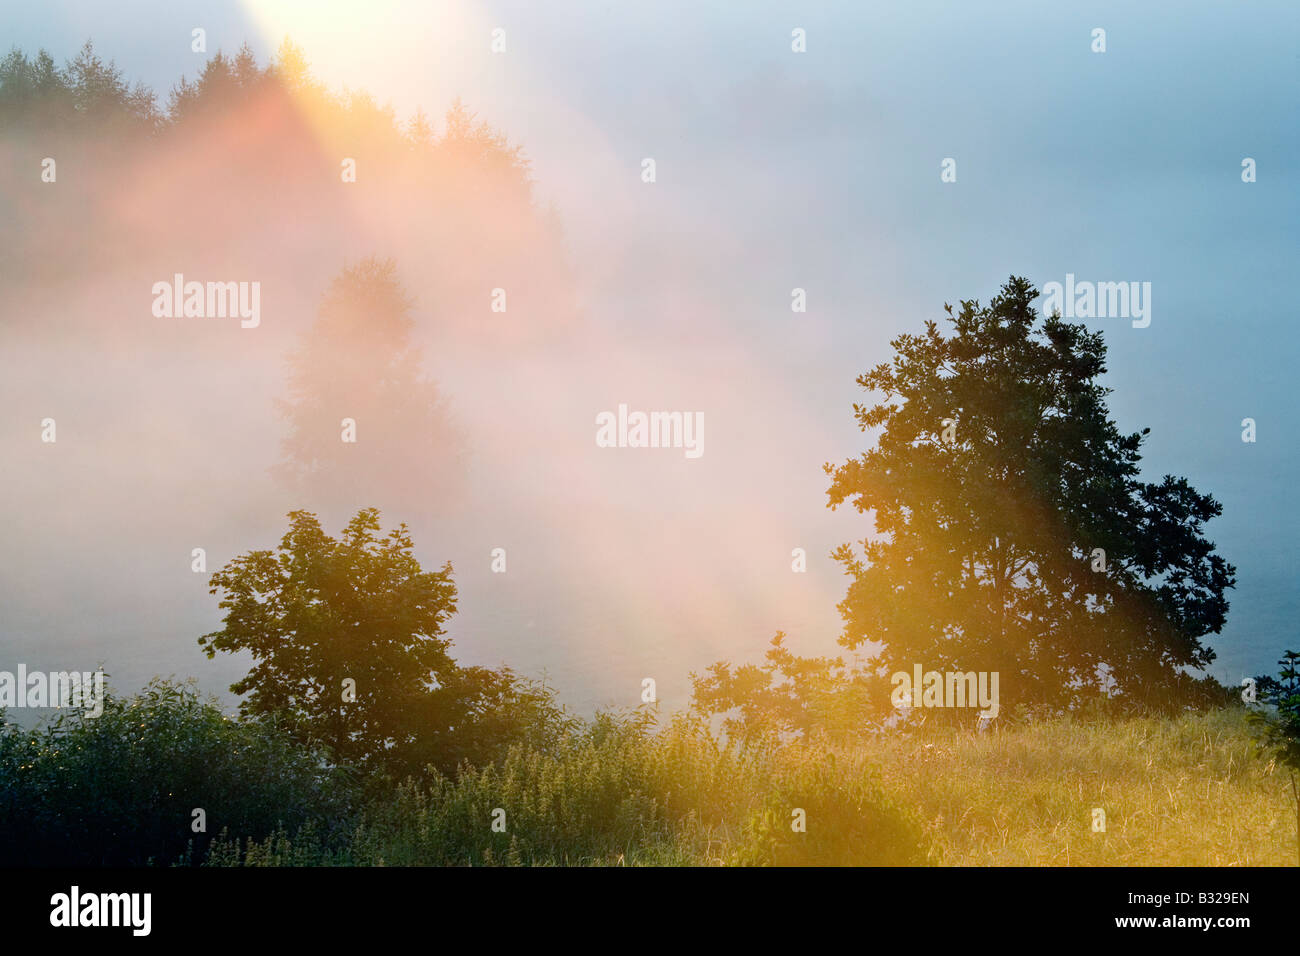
357 363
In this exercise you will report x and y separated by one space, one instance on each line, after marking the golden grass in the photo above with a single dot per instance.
1186 791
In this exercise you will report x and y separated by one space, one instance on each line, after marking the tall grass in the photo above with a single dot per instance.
1180 791
622 795
1185 791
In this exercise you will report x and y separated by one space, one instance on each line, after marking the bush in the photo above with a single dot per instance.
120 789
848 817
619 793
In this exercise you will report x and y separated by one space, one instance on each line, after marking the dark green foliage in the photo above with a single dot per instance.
1278 727
120 789
849 820
620 793
983 559
319 612
1281 727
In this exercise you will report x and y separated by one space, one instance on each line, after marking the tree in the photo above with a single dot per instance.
1278 729
476 143
347 637
419 133
1013 533
357 363
245 69
101 95
787 694
33 90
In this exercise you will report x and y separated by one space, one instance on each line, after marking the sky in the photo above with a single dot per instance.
775 170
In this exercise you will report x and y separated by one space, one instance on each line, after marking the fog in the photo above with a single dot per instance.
675 295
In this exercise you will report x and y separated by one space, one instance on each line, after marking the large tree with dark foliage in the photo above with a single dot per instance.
1013 532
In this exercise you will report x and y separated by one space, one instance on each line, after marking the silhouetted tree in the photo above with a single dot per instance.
349 648
1277 727
996 482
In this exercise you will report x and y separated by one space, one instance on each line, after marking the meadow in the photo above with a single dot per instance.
1183 791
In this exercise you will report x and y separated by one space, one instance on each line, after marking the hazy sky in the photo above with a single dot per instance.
775 170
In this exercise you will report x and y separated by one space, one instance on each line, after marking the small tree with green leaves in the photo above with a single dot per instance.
1278 728
347 637
792 695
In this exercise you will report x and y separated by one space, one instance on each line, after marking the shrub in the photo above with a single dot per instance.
621 793
120 789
